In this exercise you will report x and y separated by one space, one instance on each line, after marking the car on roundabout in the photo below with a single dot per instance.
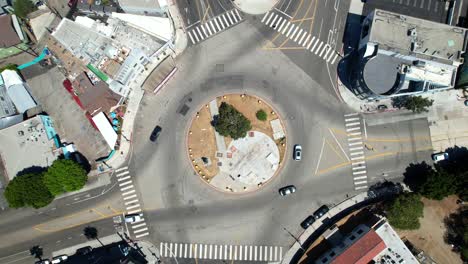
297 154
287 190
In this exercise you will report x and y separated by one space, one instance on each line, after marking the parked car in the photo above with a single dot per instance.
155 134
297 152
44 261
321 211
287 190
59 259
308 222
436 157
132 218
84 250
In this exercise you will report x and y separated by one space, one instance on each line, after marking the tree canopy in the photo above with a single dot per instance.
261 115
417 104
28 190
23 7
65 176
404 212
231 122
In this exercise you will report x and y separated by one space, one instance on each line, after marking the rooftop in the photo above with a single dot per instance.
17 90
8 33
97 97
410 35
396 250
363 250
26 145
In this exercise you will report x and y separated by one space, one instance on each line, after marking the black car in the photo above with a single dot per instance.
155 134
308 222
84 250
321 211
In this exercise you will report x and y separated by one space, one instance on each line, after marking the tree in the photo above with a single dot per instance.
439 185
91 233
231 122
23 7
417 104
416 175
457 230
65 176
404 211
261 115
28 190
37 252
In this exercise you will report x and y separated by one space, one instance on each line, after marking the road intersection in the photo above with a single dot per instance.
297 73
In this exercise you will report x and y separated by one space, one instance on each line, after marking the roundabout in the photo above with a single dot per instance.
240 164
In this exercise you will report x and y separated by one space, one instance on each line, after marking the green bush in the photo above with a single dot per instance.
13 67
65 176
23 7
261 115
28 190
404 212
231 122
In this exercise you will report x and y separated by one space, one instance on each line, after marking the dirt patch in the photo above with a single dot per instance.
202 143
430 236
201 138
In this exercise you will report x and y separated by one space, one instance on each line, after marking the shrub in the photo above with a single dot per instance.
261 115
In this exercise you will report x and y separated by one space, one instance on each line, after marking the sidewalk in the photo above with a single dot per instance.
173 48
255 7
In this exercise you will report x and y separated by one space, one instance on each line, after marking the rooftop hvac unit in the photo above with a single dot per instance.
20 133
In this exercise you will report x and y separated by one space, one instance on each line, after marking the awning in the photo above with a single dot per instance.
106 129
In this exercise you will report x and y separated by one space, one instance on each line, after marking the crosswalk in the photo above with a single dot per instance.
300 36
353 126
214 26
221 252
132 205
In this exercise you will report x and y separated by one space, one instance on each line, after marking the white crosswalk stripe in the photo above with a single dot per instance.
216 25
356 149
219 252
300 36
132 204
121 169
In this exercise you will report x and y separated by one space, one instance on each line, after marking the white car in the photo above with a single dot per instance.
132 218
297 155
59 259
436 157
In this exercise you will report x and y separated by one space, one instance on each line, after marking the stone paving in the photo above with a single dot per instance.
249 163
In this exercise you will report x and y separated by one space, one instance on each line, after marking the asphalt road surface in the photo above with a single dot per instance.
178 206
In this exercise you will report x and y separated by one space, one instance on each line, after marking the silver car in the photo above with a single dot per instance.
297 152
287 190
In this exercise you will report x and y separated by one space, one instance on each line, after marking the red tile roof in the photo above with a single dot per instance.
362 251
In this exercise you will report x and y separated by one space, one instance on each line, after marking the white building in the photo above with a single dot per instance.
402 55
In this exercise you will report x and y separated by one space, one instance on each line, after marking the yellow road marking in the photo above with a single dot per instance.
113 210
313 16
384 154
302 19
419 138
333 148
307 11
206 12
97 212
38 228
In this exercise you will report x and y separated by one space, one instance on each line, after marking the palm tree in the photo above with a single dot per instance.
91 233
37 252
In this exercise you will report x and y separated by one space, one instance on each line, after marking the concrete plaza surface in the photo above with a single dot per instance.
248 164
